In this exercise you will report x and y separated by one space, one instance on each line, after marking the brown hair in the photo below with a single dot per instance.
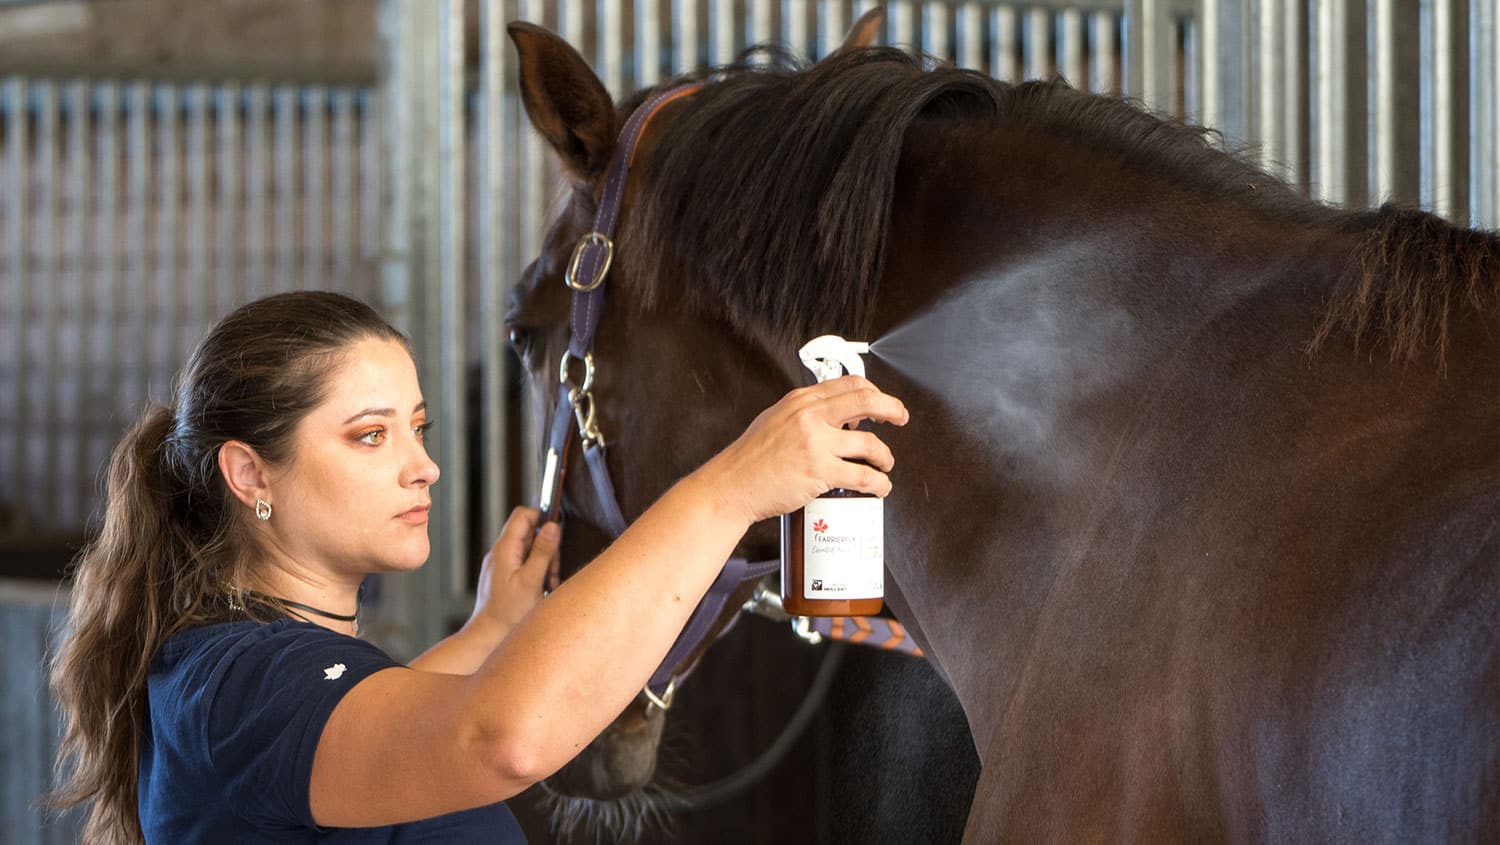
172 547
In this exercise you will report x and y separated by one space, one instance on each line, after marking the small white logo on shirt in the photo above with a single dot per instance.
333 672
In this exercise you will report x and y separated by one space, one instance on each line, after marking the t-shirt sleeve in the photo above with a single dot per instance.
272 696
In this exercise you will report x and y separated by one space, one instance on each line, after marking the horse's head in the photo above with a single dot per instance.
669 386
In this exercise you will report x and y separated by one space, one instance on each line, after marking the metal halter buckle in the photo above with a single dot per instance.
663 701
591 239
588 370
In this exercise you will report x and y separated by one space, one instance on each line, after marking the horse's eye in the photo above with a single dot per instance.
519 340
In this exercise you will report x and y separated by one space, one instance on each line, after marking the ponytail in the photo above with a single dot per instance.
119 613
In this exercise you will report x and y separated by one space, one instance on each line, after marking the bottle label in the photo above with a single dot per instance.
843 549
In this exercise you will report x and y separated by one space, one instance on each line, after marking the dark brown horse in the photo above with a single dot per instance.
1201 516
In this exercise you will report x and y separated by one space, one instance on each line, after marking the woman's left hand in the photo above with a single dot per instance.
514 571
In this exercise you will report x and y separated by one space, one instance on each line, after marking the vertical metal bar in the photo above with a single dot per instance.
1211 106
44 425
1148 53
257 166
1037 47
1294 89
937 28
647 43
343 150
762 22
901 26
685 14
285 161
137 205
106 360
794 27
1072 47
227 196
721 18
971 36
168 312
314 185
494 267
1449 113
371 193
1396 157
1481 84
533 167
573 24
1102 76
78 301
1003 48
610 31
448 301
1341 103
833 25
1269 86
195 292
17 217
1492 90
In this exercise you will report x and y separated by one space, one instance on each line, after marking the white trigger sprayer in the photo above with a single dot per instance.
832 550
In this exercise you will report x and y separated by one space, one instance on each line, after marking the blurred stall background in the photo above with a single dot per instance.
162 161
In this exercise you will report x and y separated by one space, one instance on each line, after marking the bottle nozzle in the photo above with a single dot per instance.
829 356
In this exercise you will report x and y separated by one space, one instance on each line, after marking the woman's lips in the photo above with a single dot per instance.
416 516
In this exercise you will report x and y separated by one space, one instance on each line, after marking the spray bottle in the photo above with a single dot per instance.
832 551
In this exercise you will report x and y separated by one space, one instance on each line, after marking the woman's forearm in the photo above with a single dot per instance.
584 653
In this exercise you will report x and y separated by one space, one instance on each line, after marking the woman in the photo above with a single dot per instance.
213 688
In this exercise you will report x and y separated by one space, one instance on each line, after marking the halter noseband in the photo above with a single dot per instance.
575 411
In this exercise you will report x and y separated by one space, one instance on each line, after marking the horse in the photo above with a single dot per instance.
1198 513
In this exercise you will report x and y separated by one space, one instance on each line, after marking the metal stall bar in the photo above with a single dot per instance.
901 25
284 153
343 153
721 20
833 25
794 27
105 365
1294 116
42 440
1102 76
228 195
137 200
1003 64
257 168
1450 96
1483 151
1396 172
314 184
167 310
762 24
1148 53
971 28
1340 173
73 411
17 177
610 64
685 28
1270 87
937 29
496 255
1037 45
647 42
195 291
1072 62
450 330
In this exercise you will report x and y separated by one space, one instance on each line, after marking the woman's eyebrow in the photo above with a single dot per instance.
384 412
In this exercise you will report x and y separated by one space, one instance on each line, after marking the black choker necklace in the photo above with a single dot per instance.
351 617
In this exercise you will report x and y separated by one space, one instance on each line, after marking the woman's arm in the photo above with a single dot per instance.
404 744
510 585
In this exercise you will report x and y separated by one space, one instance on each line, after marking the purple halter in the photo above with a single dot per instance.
586 274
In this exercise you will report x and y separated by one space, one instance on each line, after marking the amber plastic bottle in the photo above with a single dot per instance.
837 585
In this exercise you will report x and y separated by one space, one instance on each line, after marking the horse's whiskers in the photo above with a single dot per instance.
627 818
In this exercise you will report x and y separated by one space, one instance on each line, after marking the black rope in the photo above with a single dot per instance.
713 794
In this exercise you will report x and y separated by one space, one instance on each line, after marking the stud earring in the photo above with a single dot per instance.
262 510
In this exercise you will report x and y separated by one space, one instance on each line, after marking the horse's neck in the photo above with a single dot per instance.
1067 377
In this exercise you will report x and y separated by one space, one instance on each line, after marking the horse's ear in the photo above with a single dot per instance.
567 103
864 32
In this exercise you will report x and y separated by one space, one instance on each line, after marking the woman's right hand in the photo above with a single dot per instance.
796 450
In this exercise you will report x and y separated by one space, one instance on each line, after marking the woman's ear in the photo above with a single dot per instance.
566 102
243 472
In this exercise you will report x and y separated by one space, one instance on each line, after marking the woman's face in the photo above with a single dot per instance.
354 497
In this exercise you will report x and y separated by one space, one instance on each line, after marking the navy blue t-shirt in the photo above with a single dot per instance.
236 711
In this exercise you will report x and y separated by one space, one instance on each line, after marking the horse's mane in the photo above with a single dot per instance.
772 196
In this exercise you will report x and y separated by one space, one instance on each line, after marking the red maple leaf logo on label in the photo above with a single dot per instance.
819 527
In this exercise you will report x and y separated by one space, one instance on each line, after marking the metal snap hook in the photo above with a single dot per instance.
588 369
